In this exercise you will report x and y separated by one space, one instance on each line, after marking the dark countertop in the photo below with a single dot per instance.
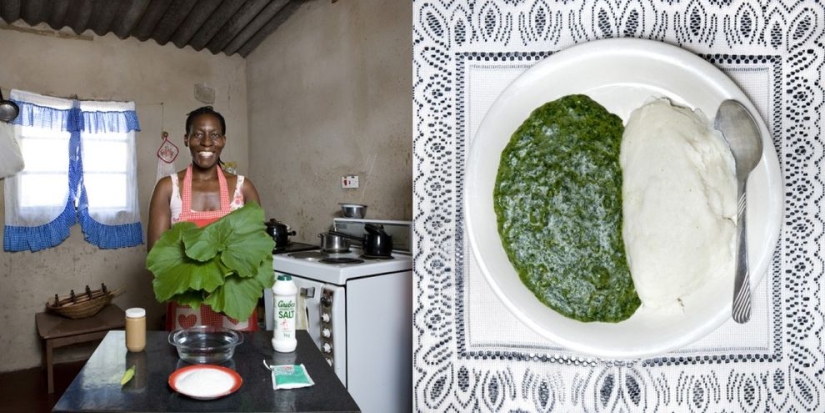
97 387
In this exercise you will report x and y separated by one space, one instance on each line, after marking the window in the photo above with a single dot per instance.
80 167
45 168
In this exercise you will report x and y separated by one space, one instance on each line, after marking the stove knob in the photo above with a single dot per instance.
327 348
325 317
325 301
326 333
329 361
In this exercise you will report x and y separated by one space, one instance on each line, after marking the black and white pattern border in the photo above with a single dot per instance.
787 35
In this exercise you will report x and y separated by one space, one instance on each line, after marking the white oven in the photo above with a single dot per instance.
359 313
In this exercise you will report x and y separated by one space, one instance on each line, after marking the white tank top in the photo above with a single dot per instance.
175 203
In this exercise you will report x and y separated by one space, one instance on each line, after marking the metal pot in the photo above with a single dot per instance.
333 243
8 109
279 232
375 243
353 210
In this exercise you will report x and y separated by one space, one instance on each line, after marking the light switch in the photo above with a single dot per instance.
349 181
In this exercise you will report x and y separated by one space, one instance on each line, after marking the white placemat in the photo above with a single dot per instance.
486 315
470 354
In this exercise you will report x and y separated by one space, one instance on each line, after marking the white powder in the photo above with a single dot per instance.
679 202
205 383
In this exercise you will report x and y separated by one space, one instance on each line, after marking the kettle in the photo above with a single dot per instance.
279 232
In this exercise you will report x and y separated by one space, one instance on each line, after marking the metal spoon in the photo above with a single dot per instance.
739 128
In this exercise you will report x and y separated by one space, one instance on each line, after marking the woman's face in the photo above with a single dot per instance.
205 140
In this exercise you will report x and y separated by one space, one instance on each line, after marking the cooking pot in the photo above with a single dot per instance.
8 109
333 243
279 232
353 210
376 242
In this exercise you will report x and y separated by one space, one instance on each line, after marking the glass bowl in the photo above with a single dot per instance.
205 344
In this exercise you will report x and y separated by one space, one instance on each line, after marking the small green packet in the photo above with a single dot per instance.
290 376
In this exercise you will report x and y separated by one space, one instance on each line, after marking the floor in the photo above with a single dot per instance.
26 390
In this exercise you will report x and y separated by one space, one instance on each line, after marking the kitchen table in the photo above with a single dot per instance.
470 351
97 387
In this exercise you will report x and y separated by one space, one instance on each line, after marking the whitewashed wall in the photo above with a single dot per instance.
160 79
330 95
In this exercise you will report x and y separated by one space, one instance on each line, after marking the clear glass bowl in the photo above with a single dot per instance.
204 344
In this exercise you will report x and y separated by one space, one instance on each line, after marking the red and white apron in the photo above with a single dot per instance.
182 316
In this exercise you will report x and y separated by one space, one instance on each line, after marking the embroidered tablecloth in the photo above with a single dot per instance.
471 353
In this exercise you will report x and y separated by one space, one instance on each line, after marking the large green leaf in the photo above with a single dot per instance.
238 297
174 271
188 275
202 244
191 298
247 242
240 255
226 264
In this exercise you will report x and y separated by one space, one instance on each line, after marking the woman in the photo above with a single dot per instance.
199 194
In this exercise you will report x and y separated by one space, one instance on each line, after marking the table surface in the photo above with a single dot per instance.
97 387
51 325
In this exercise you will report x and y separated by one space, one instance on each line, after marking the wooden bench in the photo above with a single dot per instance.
59 331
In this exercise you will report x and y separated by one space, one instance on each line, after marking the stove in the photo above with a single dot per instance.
341 260
358 311
294 247
339 268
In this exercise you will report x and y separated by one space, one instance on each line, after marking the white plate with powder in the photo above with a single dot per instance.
205 382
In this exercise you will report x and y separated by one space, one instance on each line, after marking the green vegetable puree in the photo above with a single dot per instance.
558 202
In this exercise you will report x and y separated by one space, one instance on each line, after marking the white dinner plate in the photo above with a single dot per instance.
620 74
205 381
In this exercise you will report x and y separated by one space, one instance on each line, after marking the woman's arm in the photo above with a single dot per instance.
249 192
160 214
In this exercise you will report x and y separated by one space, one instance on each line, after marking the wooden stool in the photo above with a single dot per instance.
59 331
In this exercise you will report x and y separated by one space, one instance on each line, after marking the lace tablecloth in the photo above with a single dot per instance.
471 353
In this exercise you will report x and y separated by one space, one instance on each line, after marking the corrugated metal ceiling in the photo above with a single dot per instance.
220 26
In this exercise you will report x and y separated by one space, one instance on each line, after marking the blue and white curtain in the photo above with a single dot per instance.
83 129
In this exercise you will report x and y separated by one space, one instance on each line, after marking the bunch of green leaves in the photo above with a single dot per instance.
226 264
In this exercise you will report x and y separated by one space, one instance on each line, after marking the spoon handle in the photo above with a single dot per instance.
741 283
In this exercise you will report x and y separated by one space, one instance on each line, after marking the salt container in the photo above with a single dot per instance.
285 298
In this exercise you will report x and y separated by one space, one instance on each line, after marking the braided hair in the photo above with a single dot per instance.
190 117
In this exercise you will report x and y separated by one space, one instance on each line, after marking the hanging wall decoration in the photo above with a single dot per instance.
167 153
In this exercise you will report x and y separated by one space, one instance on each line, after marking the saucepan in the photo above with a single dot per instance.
279 232
376 242
333 243
8 109
353 210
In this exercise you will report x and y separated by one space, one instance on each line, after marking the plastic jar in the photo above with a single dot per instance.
285 300
135 329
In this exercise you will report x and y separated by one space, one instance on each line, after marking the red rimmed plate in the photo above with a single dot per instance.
205 381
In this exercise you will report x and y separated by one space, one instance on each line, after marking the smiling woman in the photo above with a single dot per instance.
199 194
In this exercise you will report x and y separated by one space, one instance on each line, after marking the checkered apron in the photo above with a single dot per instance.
182 316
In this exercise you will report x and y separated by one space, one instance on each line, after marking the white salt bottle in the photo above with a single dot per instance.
285 300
